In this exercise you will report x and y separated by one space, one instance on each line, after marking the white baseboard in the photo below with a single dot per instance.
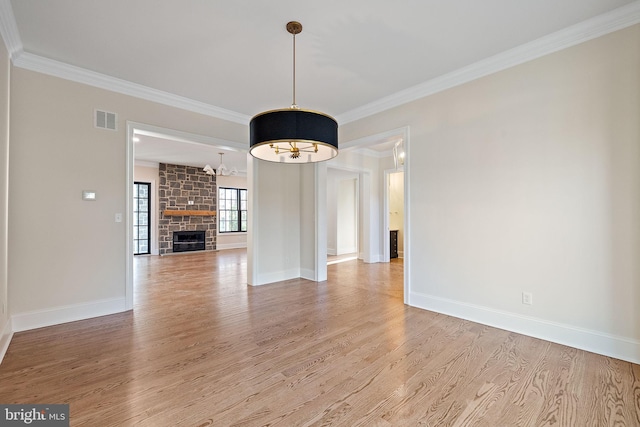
5 339
375 258
277 276
308 274
223 246
597 342
346 250
332 251
69 313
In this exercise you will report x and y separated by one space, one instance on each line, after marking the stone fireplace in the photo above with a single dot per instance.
188 189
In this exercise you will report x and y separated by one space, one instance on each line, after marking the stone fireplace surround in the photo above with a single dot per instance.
179 185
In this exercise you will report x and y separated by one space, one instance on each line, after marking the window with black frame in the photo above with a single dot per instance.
232 210
141 218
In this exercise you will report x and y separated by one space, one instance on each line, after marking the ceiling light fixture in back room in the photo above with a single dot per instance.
293 135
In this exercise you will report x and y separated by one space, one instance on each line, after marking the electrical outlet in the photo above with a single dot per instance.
190 202
527 298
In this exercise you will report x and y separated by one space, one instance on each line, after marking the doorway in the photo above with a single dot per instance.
394 221
343 211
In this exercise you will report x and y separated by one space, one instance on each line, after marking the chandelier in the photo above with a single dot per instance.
293 135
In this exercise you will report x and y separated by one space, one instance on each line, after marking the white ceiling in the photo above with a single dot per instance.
236 56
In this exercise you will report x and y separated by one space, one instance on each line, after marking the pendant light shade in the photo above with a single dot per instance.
293 135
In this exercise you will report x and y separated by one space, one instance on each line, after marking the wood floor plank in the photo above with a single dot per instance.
202 348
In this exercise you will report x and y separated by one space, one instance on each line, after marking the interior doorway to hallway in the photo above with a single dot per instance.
343 211
394 209
385 153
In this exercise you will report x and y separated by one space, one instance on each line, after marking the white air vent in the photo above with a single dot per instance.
105 120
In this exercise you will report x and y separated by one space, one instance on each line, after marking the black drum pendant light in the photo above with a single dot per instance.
293 135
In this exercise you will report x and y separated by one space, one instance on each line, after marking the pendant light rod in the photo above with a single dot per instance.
293 104
294 27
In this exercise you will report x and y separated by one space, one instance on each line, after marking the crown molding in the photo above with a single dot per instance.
373 153
187 137
9 29
600 25
146 163
617 19
62 70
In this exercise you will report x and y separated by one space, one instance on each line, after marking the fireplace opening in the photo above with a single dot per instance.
185 241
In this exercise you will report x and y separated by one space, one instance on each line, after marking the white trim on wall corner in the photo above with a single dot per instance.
5 339
68 313
346 250
307 273
375 258
593 341
277 276
224 246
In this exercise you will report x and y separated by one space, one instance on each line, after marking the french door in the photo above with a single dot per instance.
141 218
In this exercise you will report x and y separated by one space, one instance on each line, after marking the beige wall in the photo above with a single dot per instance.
4 187
274 222
334 178
56 153
529 180
347 211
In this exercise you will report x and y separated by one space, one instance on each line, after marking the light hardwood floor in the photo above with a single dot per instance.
202 348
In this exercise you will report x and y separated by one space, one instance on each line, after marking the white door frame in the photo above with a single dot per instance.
151 130
401 133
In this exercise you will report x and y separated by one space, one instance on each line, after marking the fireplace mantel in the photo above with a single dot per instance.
188 213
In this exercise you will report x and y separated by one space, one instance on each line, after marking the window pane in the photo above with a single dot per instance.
232 206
